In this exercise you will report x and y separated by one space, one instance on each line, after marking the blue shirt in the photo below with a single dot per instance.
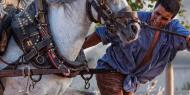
125 58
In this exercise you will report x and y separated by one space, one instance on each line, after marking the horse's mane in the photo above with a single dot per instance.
60 1
67 5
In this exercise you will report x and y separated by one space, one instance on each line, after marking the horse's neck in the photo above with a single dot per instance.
69 26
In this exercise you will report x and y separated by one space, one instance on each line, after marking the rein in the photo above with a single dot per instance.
30 72
144 24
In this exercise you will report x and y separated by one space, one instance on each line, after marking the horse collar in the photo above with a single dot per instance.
34 38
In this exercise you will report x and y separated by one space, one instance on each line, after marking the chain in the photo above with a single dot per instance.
87 80
26 74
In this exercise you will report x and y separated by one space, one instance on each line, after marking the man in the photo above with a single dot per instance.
153 50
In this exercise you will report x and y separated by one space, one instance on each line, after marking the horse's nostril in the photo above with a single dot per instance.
134 28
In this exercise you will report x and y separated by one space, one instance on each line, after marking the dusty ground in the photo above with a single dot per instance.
71 91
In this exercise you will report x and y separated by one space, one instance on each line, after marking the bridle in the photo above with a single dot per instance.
111 20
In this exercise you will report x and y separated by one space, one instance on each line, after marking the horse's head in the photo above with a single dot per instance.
124 21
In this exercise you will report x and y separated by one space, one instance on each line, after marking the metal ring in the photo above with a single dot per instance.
40 59
87 84
36 80
87 79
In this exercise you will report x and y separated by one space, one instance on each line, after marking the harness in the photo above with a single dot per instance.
112 20
34 38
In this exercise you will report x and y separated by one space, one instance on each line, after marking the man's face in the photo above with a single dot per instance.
160 17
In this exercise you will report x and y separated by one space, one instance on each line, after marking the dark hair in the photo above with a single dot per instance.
171 6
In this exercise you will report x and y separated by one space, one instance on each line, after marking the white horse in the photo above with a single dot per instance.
69 25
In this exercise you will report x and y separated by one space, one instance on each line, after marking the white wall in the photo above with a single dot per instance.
187 7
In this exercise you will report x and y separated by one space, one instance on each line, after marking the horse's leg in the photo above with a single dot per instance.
49 85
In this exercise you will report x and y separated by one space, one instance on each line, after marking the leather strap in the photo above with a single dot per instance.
57 61
27 72
34 51
148 55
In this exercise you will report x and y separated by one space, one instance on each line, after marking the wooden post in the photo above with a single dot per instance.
169 80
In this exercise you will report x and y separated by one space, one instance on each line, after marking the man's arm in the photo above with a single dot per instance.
91 40
180 43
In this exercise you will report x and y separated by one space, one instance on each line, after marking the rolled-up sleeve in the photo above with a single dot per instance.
101 31
179 28
180 43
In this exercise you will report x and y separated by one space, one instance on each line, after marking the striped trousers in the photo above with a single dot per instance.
111 84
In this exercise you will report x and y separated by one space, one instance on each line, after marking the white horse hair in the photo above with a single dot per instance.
69 25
